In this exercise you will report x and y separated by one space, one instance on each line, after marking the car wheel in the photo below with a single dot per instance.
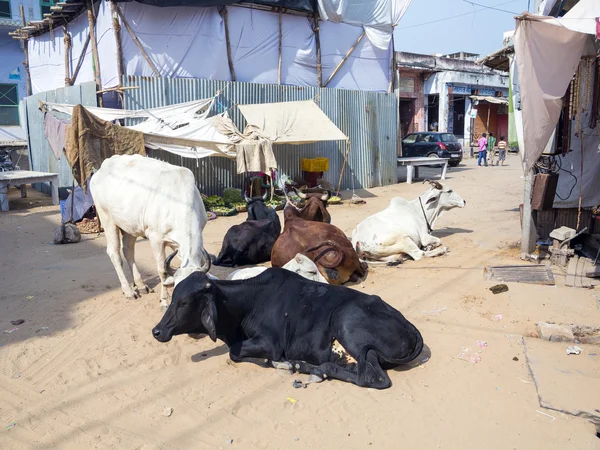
433 156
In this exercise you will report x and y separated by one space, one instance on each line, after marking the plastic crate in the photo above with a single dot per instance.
315 164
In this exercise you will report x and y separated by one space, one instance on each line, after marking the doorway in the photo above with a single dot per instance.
459 116
407 116
433 111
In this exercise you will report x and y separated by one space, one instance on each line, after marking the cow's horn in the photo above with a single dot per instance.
300 194
168 267
248 199
208 262
325 196
435 184
264 197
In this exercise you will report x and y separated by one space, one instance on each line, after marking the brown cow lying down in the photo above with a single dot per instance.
325 244
315 206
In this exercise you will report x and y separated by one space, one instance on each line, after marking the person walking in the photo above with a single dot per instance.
502 150
482 142
491 148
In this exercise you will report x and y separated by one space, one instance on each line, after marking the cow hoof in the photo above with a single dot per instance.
131 295
285 365
394 263
314 379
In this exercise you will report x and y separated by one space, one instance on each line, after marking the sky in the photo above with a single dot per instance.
479 29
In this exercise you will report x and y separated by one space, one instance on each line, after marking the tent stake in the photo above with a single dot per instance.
224 15
137 42
318 45
26 52
343 167
92 27
343 61
119 44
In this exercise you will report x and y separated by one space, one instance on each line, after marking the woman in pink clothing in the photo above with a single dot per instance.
482 143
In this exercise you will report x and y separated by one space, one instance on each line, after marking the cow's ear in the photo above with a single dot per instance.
433 199
209 319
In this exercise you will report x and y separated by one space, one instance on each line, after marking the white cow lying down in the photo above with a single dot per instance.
404 228
302 265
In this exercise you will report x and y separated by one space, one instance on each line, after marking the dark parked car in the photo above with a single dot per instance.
433 145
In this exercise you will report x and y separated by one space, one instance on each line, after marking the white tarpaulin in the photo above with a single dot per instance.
548 51
189 42
292 122
377 16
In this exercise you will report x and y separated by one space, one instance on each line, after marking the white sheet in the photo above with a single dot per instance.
292 122
377 16
367 68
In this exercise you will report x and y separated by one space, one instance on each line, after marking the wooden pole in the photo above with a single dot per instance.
343 168
96 58
67 40
119 44
343 61
318 45
280 46
81 58
224 15
393 66
26 52
137 42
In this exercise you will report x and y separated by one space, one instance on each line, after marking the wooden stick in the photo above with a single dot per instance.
343 167
137 42
119 44
393 66
343 61
26 52
96 58
117 88
318 45
81 58
67 40
224 15
280 47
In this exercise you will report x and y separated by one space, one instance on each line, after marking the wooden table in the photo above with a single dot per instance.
413 164
23 177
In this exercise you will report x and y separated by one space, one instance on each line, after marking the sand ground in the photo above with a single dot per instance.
96 378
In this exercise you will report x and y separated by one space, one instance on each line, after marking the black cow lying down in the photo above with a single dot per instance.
251 241
314 328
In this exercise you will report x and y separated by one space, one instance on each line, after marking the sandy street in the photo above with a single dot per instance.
84 371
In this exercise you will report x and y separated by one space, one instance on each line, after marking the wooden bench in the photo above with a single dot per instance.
413 164
22 178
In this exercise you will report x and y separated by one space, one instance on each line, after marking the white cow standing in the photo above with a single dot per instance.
404 228
137 196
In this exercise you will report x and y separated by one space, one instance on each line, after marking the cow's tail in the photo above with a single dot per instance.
362 357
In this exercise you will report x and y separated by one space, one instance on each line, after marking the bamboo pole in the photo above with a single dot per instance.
137 42
318 45
96 58
393 66
119 44
343 61
224 15
280 46
26 52
343 168
67 41
80 60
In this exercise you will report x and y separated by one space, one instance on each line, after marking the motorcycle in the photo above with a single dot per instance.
6 162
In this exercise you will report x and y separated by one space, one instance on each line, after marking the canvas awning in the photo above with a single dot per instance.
292 122
496 100
548 51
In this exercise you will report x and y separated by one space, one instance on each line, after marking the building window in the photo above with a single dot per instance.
9 104
5 8
45 6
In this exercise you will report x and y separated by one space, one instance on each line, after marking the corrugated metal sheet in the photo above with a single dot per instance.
559 217
368 118
41 156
